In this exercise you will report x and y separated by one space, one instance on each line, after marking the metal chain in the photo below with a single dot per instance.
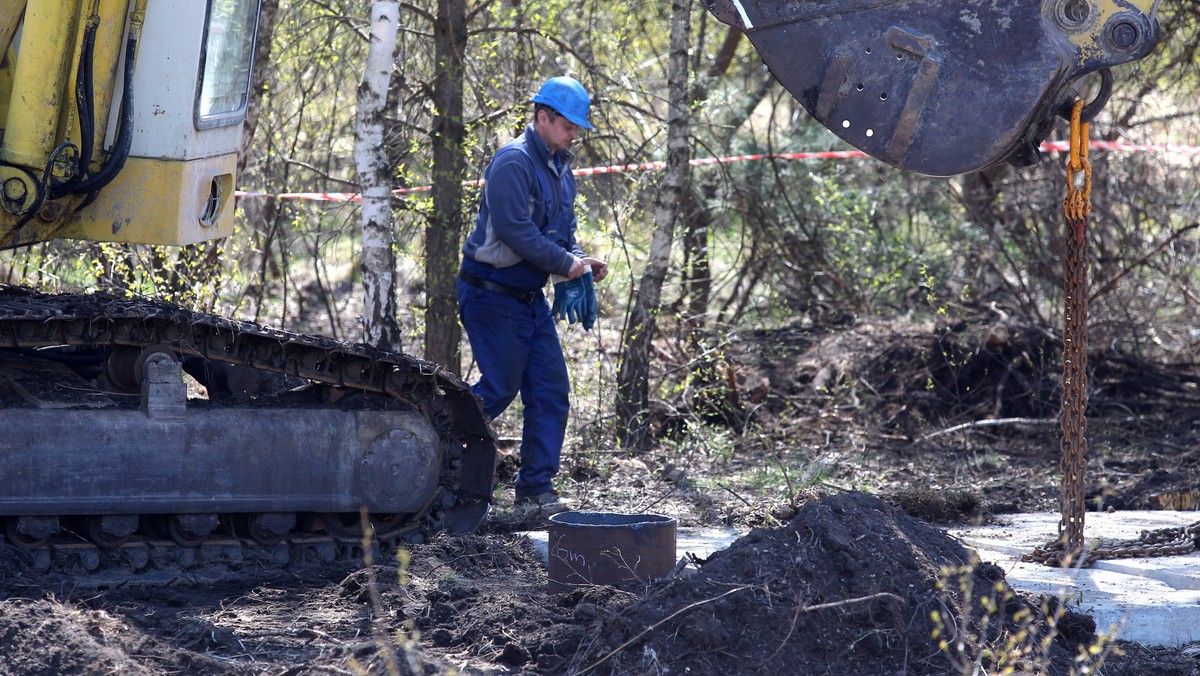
1150 543
1073 457
1069 549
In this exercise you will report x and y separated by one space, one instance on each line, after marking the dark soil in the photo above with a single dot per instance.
828 580
849 585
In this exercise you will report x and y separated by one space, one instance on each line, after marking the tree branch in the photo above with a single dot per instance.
990 422
1112 283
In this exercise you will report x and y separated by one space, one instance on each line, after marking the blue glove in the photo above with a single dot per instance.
588 316
569 300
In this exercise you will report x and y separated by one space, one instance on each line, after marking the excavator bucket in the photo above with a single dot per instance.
943 87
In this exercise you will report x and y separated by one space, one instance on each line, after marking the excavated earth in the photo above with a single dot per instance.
839 453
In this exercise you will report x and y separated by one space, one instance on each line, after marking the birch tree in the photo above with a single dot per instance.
633 379
370 157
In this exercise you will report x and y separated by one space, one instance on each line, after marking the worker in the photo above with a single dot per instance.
523 235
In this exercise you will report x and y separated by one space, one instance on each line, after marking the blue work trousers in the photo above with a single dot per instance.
516 347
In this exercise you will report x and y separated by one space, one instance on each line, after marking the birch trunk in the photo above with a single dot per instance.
633 380
374 176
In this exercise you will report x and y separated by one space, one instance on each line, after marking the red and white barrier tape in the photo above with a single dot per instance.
1049 146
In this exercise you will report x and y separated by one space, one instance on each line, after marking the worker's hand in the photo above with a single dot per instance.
578 268
599 268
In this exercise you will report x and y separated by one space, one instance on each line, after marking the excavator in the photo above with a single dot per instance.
122 121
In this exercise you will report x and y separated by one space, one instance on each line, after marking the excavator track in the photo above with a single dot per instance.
108 460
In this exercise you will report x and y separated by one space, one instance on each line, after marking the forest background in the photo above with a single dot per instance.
700 256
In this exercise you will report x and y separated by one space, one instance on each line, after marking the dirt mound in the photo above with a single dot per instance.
909 376
850 585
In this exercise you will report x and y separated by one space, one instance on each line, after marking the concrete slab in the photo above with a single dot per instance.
1154 601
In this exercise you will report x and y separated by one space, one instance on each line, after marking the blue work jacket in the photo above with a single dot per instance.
525 230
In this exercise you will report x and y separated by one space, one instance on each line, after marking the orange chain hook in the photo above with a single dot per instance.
1078 204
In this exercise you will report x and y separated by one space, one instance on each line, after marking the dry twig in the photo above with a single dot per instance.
734 494
801 609
990 422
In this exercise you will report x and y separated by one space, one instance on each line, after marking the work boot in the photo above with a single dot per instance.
550 502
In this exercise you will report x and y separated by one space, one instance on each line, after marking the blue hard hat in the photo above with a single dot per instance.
568 97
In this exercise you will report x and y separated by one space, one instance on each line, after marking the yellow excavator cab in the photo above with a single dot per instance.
128 128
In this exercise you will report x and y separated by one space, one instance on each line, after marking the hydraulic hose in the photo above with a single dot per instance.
116 160
84 106
85 96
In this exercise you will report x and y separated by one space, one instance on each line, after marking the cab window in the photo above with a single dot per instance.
225 70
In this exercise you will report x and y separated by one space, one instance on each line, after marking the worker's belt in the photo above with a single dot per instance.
525 297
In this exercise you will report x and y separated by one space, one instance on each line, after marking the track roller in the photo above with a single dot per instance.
30 531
